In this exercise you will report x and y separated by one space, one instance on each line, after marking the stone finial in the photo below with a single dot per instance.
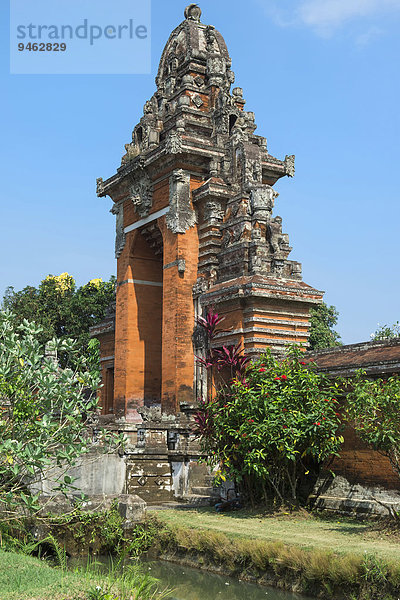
193 12
99 186
289 165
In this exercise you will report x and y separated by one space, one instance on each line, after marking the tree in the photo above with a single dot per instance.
270 424
387 332
45 411
373 408
322 334
61 309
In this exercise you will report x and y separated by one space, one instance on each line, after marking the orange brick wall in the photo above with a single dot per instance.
160 195
106 351
138 327
359 464
178 318
154 357
160 200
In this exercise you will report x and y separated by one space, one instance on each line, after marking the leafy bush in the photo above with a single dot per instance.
270 425
45 410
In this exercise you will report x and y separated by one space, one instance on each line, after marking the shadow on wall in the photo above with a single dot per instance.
147 269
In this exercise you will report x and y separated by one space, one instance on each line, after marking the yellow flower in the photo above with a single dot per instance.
96 282
63 282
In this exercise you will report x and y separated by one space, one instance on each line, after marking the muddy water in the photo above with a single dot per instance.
193 584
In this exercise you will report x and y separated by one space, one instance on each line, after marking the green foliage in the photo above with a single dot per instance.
323 320
44 412
25 577
268 431
373 407
61 309
387 332
87 527
142 537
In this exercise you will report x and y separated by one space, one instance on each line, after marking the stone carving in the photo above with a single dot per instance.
140 192
193 12
226 239
99 186
185 100
213 210
141 438
150 413
181 263
132 151
278 267
256 232
295 269
197 101
262 198
256 170
181 215
200 287
213 276
255 263
289 165
214 167
277 240
173 144
120 238
142 481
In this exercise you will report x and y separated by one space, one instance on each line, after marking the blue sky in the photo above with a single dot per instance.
322 77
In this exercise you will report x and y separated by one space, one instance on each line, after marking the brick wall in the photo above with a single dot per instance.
361 465
138 327
106 394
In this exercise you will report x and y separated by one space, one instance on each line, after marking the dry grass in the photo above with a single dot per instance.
322 557
339 535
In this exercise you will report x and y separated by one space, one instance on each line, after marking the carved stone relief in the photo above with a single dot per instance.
174 143
99 186
262 198
120 238
278 241
140 192
181 215
278 267
213 210
289 165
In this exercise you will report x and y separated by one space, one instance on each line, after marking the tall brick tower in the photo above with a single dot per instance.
194 200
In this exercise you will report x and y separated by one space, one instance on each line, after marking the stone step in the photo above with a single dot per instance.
198 500
206 491
190 500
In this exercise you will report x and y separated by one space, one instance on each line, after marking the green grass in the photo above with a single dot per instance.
340 535
322 557
28 578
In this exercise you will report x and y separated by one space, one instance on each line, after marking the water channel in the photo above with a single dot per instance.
193 584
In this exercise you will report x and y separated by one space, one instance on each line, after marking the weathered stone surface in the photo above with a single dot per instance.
343 497
181 215
96 474
118 211
140 192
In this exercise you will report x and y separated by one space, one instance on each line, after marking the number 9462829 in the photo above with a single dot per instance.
42 47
